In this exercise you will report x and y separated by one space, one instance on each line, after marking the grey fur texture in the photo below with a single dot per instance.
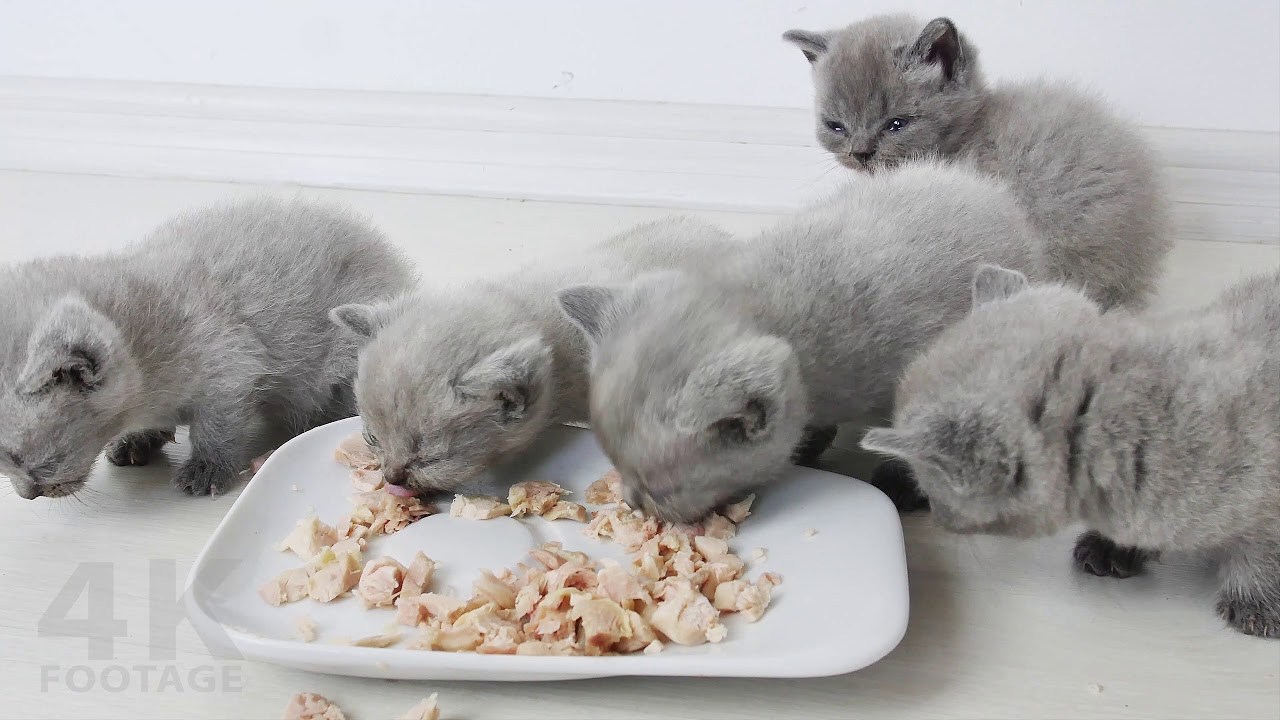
455 380
892 88
218 320
700 387
1159 432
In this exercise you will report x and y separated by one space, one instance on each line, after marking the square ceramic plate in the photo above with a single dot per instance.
842 604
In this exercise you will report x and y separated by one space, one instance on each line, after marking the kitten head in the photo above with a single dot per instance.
444 395
691 404
67 387
888 90
985 417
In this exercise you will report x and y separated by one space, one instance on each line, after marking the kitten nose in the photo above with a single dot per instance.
395 475
28 492
863 157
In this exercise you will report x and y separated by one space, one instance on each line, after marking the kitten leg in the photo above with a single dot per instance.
1250 598
893 478
813 443
221 440
138 448
1098 555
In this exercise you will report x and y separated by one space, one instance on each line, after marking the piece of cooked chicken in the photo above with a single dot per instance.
478 507
533 497
685 616
310 706
356 454
418 576
380 582
289 586
333 577
606 490
308 537
566 510
737 512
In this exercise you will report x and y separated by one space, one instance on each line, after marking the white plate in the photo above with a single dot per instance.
842 604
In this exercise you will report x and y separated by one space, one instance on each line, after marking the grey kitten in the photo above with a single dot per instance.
455 380
1158 432
891 88
218 320
700 387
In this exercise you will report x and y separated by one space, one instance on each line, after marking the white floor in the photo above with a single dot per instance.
999 629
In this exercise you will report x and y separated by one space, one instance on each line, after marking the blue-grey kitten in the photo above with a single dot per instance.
218 320
1159 432
700 386
892 88
455 380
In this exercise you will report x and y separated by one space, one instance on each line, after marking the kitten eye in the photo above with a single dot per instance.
896 124
835 127
369 438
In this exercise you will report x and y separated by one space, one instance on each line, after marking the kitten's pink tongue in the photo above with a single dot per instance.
398 491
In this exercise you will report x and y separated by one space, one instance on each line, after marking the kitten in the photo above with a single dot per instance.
1158 432
701 386
217 320
890 88
455 380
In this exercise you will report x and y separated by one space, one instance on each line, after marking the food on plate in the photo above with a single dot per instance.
533 497
566 510
289 586
606 490
308 537
380 582
306 628
478 507
333 575
737 512
310 706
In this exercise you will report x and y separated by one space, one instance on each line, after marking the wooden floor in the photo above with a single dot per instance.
999 629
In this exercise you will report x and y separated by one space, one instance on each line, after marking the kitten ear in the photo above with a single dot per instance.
513 376
738 394
364 321
812 44
940 44
912 447
593 309
73 347
992 282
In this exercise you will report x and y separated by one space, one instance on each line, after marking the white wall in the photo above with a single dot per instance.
1180 63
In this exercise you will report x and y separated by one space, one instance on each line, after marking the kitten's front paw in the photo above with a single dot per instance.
814 442
893 477
1251 617
1098 555
204 477
137 448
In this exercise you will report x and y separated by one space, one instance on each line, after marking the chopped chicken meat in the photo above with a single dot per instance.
719 526
367 480
426 709
289 586
565 510
380 582
418 576
606 490
533 497
310 706
478 507
333 577
308 537
737 512
306 628
377 641
684 615
356 454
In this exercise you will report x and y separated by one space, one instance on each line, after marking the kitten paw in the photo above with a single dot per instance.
138 448
1098 555
813 443
204 477
893 477
1251 617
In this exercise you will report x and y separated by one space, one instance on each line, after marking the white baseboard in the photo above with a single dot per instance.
1226 185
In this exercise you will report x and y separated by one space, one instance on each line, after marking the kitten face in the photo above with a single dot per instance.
888 91
692 408
439 410
63 397
986 416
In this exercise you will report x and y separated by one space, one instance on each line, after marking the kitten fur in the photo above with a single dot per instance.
1085 177
1158 432
700 387
457 379
219 320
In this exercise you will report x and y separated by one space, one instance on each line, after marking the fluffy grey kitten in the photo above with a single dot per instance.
892 88
1158 432
218 320
700 387
455 380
